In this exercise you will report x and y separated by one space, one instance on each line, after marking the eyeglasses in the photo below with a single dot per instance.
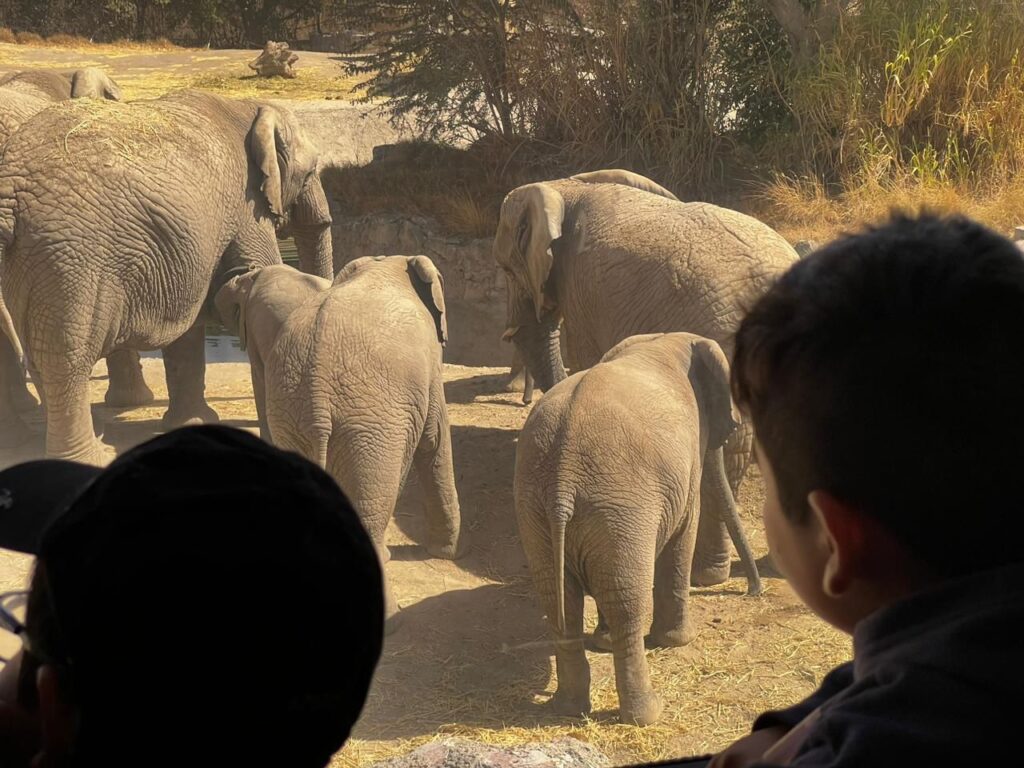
10 603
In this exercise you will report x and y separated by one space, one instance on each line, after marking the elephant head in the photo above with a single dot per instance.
255 304
290 188
92 83
528 229
526 247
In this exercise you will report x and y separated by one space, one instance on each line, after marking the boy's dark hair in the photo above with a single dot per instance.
887 368
209 600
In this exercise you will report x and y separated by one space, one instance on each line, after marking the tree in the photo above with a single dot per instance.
449 63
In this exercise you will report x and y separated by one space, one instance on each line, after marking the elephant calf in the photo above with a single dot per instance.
349 375
613 468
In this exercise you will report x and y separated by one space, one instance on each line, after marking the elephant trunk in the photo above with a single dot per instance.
715 483
311 228
541 351
316 252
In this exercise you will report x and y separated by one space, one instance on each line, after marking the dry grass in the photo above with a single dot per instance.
311 84
802 210
83 44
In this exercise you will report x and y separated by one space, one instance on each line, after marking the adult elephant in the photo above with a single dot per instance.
611 254
23 95
118 219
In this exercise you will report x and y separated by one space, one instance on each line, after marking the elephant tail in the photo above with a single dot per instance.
564 508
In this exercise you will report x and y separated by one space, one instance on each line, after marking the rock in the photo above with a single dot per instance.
805 247
1018 234
457 753
275 61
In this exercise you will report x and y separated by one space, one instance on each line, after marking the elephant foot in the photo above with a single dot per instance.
131 395
567 705
14 432
672 638
643 709
98 454
601 640
448 551
190 417
711 575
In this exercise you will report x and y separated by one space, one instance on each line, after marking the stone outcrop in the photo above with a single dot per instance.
457 753
277 60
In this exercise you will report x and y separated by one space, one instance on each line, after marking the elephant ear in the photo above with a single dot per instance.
625 178
709 372
268 151
531 220
427 278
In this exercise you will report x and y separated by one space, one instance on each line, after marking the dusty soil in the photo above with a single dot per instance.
472 657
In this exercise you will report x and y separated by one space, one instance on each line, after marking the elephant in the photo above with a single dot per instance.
614 468
349 375
119 222
22 95
50 86
611 254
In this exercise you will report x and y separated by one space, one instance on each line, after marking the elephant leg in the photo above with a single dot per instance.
433 462
713 554
64 382
259 391
601 640
572 698
671 626
628 617
127 387
185 368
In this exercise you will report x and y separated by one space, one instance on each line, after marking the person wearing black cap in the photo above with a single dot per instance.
207 599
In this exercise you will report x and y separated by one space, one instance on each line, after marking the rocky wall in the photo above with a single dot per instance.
474 287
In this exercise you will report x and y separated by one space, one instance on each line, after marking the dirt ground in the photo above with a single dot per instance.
472 657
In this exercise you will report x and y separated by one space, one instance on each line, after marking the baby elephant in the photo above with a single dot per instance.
349 375
613 469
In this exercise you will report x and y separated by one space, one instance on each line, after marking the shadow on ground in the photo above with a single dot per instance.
484 461
470 656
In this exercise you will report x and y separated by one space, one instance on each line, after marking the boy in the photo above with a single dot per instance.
205 600
883 375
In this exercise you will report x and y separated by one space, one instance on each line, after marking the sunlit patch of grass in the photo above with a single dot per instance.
802 210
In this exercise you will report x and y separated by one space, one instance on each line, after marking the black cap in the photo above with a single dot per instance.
33 495
235 574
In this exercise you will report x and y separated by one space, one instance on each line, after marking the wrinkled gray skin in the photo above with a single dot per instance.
22 95
118 220
609 255
349 375
614 468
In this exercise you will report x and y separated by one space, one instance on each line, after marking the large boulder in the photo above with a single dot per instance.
457 753
277 60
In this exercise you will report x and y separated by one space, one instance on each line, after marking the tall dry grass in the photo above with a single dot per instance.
907 105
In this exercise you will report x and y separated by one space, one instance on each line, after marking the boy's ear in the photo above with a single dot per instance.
843 527
57 718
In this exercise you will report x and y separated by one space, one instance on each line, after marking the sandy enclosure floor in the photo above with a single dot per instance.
472 657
